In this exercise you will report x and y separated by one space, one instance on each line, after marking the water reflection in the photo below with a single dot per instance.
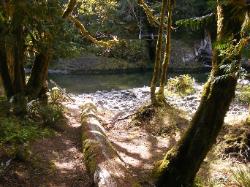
91 83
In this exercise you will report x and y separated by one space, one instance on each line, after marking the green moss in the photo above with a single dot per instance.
90 148
248 121
163 164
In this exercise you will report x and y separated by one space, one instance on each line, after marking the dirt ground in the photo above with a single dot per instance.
54 161
140 143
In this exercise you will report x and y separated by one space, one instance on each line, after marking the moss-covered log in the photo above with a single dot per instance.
102 160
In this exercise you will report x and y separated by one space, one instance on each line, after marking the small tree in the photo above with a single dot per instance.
167 5
167 55
158 54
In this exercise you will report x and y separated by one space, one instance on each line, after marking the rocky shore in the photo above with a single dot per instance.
126 102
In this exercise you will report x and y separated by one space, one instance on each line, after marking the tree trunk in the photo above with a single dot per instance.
18 43
180 165
4 72
19 74
167 55
158 54
37 86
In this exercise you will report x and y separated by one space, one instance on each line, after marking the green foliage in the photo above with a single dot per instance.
131 51
48 114
191 8
197 23
51 114
13 131
182 85
243 93
242 176
56 96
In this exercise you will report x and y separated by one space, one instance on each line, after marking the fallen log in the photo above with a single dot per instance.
101 159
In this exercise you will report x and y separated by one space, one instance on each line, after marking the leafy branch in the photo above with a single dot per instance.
196 22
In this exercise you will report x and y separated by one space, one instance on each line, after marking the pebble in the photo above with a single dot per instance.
128 101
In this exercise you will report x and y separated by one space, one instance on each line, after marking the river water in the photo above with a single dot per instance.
78 84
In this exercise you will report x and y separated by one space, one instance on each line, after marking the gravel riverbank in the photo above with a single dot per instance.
126 102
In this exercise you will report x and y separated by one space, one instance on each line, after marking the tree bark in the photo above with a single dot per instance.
4 72
19 74
158 54
161 96
181 163
37 86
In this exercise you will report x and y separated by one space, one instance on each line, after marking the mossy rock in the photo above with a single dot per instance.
161 120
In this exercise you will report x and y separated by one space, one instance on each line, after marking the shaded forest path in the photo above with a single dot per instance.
58 160
136 146
54 161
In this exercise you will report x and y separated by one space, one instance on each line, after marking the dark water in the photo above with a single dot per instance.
91 83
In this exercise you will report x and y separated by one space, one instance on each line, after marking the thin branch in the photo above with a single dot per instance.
153 20
85 33
70 8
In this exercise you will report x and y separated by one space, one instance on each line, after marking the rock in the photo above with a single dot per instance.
191 97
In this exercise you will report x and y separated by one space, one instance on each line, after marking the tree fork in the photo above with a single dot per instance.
161 96
158 54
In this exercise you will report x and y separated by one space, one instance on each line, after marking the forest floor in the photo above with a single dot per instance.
140 142
53 161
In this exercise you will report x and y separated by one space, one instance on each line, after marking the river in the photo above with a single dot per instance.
78 84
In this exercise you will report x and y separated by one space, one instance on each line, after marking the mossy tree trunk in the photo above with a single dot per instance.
4 73
19 74
17 33
167 55
158 54
4 70
181 163
37 84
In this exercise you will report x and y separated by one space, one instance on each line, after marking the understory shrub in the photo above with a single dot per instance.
56 96
182 85
50 113
14 131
